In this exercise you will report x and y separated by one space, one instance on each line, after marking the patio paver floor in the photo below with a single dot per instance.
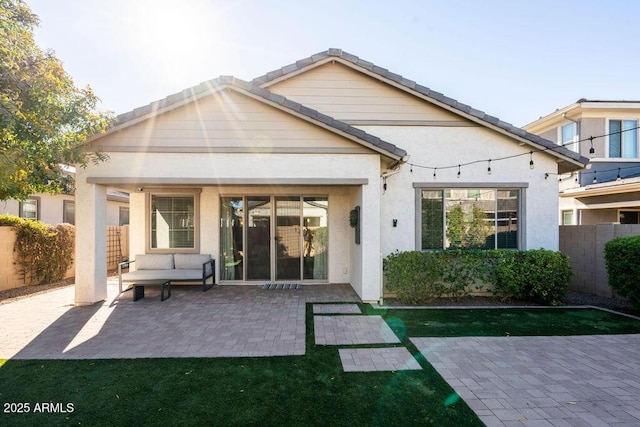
566 380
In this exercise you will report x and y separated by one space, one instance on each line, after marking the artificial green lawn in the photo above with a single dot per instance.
505 322
297 390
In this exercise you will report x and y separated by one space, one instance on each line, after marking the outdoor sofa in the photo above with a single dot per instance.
162 269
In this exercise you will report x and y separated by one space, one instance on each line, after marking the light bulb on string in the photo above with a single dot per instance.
531 165
434 173
618 178
592 151
458 176
489 167
595 177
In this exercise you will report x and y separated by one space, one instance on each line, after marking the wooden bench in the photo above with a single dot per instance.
163 269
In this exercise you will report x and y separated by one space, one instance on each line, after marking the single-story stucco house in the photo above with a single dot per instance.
268 176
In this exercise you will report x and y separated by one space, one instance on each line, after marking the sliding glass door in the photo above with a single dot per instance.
274 238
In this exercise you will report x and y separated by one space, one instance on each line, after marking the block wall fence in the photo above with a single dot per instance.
10 276
584 245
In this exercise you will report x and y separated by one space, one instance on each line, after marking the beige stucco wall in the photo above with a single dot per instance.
440 146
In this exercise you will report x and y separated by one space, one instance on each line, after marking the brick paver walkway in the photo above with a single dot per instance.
543 381
226 321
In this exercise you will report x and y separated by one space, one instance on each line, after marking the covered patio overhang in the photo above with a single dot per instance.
91 273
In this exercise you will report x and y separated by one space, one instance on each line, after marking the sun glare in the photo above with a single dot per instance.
172 35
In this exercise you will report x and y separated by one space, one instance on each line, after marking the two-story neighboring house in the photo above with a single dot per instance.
607 133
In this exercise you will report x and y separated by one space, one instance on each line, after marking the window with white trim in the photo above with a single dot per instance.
469 218
567 217
569 136
623 139
30 209
173 222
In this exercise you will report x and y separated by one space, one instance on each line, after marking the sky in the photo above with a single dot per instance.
516 60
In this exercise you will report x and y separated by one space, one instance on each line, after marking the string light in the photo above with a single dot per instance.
595 177
618 176
531 161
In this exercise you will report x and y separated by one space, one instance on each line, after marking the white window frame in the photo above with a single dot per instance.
573 216
608 131
196 220
34 200
573 147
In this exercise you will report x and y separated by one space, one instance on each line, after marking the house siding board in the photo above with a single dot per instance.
346 94
228 119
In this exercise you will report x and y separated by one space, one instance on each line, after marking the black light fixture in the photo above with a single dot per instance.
618 178
434 173
531 165
592 151
458 176
489 167
595 177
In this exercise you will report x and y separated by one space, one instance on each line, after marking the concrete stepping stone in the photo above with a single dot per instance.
350 330
336 309
377 359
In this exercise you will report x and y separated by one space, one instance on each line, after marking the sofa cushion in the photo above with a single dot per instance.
192 261
146 275
154 262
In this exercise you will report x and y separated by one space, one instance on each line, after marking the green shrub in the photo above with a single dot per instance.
44 252
415 276
539 275
622 258
419 277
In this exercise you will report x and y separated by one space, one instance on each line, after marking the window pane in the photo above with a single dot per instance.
69 214
629 139
432 220
507 237
30 209
614 138
172 222
568 133
629 217
470 218
231 249
315 237
567 217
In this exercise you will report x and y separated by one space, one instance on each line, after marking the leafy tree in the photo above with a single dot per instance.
44 119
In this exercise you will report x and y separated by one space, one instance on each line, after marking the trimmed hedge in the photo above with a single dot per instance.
44 252
540 276
622 258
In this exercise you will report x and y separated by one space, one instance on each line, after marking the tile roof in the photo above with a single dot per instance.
461 108
294 107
